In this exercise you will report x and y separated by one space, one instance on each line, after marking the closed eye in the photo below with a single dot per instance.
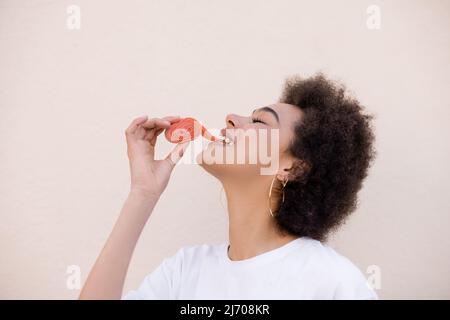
255 120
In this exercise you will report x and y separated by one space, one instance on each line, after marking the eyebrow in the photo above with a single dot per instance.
268 109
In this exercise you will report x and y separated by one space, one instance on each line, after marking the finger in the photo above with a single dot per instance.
172 119
134 124
159 124
140 132
177 153
156 122
152 136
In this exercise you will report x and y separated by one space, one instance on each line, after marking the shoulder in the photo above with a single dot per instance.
349 281
329 257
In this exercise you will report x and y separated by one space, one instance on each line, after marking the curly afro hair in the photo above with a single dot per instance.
335 140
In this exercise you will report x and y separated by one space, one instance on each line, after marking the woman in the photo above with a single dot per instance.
275 249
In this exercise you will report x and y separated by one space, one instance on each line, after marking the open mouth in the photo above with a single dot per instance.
224 141
228 141
227 138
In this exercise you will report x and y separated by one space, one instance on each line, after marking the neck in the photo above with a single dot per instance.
252 230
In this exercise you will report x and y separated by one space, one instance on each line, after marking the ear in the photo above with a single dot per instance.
296 170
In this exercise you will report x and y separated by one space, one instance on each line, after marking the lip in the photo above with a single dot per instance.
226 133
220 142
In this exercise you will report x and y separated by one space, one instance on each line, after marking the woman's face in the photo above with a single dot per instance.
260 143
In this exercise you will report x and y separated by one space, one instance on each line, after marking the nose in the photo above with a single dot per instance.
231 122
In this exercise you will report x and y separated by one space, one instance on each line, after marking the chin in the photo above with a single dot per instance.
205 160
223 171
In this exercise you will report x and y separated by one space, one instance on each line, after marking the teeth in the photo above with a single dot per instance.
227 140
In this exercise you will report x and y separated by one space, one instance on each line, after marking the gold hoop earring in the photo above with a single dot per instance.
270 193
284 185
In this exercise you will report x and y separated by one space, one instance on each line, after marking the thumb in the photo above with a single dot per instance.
177 153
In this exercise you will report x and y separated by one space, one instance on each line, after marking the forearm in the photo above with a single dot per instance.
107 276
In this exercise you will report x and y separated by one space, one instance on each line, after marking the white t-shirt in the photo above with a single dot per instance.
301 269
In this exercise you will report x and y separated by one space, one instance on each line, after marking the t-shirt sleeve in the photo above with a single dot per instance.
352 284
162 283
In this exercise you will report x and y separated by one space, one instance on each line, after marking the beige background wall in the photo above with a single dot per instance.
66 97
